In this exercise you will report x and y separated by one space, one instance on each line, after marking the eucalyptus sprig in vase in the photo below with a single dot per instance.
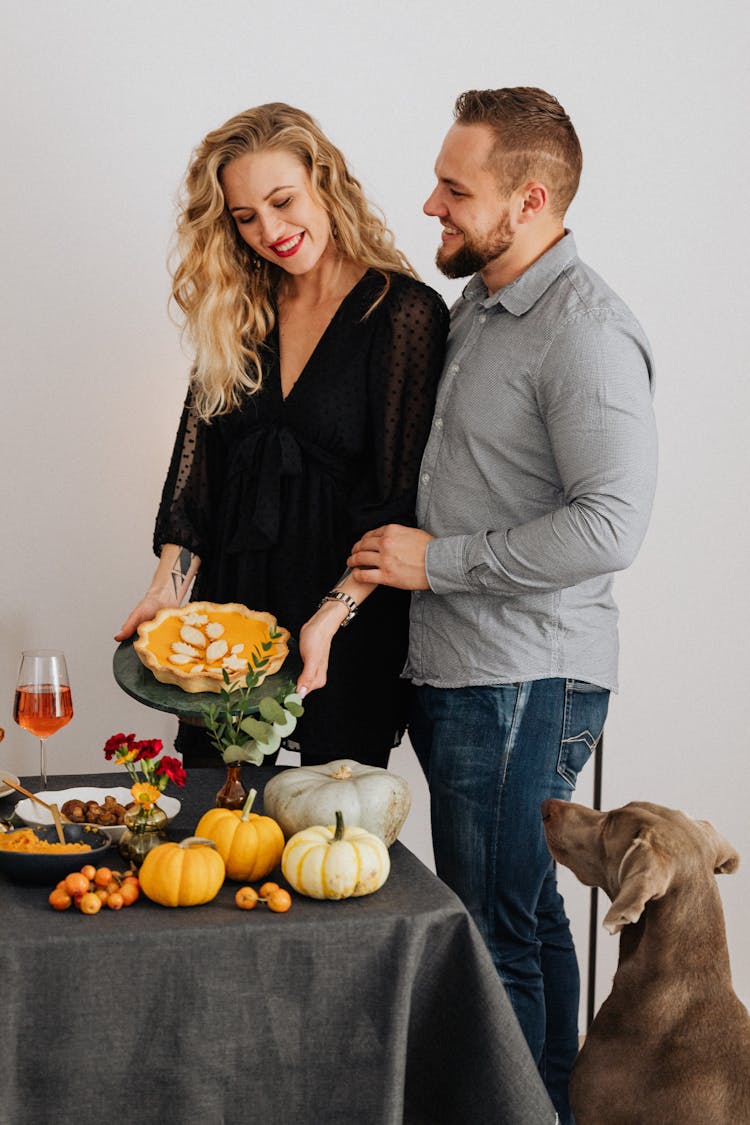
239 734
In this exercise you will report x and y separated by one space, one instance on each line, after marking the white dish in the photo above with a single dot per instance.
31 813
5 790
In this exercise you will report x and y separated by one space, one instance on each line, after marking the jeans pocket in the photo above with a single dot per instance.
585 711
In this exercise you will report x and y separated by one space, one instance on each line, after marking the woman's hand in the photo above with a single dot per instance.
177 568
146 610
315 645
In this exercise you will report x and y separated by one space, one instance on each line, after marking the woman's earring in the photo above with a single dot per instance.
256 262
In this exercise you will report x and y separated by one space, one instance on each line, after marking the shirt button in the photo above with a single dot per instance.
438 423
482 318
454 369
425 478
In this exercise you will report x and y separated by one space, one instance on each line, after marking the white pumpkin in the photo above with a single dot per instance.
335 862
370 797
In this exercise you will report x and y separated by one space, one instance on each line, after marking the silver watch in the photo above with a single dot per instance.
345 599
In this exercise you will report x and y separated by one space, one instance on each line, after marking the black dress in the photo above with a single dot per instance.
273 495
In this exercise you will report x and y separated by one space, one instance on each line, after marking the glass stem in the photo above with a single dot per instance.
42 764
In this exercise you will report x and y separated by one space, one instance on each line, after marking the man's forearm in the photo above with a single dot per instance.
573 544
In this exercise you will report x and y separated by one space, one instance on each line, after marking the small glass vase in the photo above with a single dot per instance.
144 829
233 793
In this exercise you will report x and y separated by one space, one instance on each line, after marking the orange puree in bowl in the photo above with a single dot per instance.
26 840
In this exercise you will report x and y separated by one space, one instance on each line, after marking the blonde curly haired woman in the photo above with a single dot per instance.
317 356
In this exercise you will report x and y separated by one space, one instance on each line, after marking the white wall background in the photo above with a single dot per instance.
102 104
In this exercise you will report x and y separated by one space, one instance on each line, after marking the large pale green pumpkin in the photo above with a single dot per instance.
371 798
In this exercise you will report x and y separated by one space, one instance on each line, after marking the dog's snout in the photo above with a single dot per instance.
551 807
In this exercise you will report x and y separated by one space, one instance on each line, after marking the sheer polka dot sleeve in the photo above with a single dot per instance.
184 515
406 363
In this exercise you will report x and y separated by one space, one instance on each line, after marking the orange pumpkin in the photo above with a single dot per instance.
250 844
185 874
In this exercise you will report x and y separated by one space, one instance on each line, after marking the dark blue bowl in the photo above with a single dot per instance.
51 867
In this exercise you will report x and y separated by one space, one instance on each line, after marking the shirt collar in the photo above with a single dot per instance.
518 297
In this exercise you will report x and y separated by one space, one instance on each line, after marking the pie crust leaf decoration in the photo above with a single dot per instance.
193 645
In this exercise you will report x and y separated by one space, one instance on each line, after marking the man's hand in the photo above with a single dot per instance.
392 556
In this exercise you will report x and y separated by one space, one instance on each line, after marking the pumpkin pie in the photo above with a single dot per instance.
194 645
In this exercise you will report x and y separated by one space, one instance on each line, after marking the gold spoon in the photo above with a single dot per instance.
37 800
56 816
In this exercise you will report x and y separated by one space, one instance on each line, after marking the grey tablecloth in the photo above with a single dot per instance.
373 1011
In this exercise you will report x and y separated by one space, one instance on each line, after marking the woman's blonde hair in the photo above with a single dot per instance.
227 293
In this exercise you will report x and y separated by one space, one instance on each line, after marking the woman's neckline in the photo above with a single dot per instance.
321 337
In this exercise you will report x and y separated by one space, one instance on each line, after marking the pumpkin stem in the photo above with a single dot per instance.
339 833
343 773
248 804
189 841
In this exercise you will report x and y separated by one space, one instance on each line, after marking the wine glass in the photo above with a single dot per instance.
43 702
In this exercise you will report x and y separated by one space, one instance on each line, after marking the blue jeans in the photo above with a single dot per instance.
491 755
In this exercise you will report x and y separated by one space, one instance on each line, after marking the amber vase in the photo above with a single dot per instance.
233 793
144 829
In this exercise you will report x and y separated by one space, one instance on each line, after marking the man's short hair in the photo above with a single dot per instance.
534 139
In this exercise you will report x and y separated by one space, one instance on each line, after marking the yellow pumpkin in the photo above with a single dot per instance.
335 862
185 874
250 844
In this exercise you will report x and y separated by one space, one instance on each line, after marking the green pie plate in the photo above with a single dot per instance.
139 683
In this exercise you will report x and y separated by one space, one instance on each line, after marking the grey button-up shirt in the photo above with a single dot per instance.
537 480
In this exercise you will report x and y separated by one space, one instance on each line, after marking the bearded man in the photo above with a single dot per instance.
536 486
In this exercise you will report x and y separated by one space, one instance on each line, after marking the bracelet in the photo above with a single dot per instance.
345 599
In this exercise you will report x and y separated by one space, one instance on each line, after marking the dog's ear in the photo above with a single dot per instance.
645 873
727 858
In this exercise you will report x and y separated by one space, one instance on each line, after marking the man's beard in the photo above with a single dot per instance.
475 254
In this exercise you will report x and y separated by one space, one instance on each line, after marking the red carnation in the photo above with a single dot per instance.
114 744
141 760
172 768
147 748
